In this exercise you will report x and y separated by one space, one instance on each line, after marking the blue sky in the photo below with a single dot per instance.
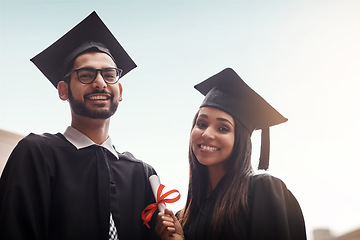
301 56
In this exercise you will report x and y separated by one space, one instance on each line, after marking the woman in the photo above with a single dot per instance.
225 199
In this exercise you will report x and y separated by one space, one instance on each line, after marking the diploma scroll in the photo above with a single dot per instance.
160 198
155 184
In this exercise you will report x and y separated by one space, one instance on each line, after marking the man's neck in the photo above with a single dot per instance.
95 129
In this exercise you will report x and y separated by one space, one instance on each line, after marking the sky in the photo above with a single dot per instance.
301 56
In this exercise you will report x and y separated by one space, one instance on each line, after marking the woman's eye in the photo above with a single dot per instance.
201 125
224 129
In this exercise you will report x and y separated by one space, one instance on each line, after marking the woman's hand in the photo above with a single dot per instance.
168 227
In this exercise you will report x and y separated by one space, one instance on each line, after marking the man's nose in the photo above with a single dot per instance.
99 81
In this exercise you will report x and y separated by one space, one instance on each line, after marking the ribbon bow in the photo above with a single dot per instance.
151 208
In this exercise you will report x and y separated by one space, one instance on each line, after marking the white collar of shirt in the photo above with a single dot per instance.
80 140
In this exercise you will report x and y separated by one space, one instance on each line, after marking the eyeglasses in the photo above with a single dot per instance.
87 75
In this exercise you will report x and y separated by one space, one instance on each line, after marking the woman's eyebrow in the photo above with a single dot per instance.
203 115
218 119
224 120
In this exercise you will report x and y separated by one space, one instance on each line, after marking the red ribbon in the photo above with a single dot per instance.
151 208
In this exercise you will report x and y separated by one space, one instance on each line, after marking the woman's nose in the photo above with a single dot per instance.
208 133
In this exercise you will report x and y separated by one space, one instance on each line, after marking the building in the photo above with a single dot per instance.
325 234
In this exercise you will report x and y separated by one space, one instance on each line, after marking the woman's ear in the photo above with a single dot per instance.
63 92
121 89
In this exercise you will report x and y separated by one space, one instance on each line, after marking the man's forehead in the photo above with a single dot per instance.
92 58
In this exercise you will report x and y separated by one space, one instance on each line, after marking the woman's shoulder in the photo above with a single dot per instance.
268 186
274 209
266 189
266 180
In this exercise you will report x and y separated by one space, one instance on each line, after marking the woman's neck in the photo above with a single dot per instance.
215 173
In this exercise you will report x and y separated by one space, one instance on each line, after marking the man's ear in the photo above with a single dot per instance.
63 91
121 89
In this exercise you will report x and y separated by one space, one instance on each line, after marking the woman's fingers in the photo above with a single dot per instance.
178 232
165 225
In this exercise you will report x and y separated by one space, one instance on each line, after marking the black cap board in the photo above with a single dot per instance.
229 93
90 33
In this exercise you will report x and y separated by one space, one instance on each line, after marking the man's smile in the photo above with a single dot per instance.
98 97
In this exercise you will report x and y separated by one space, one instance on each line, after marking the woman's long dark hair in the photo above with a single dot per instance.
231 199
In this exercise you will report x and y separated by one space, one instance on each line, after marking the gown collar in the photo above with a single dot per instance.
80 140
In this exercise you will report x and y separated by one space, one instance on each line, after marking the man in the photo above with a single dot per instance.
76 185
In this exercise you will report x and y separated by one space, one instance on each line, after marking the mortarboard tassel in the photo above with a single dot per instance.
265 149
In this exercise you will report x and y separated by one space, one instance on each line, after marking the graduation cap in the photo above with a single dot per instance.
91 33
229 93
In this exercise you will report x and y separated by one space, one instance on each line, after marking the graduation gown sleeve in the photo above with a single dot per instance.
275 212
25 193
51 190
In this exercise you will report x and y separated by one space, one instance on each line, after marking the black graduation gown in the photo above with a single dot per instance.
51 190
274 214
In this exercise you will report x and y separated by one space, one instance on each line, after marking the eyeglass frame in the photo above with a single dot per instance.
97 70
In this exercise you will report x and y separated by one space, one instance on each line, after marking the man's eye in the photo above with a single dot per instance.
109 76
86 75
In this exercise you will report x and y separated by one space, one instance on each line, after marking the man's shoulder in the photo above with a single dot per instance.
44 139
36 149
129 157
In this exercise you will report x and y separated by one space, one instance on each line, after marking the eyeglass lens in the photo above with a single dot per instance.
88 75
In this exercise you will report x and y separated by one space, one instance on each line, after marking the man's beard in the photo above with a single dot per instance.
80 109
